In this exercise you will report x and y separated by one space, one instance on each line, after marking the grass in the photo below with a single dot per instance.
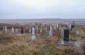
11 44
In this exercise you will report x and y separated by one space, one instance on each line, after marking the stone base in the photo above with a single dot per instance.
64 43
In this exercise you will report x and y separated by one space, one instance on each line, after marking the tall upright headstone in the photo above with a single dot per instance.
66 35
5 29
41 29
30 29
37 27
12 29
84 50
57 26
26 29
33 34
83 47
73 24
48 28
54 27
50 32
69 26
16 30
22 30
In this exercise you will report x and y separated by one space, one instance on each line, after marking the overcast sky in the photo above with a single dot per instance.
13 9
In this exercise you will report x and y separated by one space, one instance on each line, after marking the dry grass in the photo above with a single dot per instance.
23 45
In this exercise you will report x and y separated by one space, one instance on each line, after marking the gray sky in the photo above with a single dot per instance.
13 9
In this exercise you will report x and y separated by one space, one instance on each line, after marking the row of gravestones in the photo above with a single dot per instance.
12 29
52 30
41 29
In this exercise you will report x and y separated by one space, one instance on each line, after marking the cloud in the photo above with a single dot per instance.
42 8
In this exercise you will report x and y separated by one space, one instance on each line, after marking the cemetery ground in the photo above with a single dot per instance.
23 45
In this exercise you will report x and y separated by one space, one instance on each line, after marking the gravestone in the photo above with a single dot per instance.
16 30
5 29
30 30
57 26
50 32
37 27
41 29
22 30
66 35
54 27
83 48
48 28
65 38
26 29
70 26
77 32
73 24
12 29
33 34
